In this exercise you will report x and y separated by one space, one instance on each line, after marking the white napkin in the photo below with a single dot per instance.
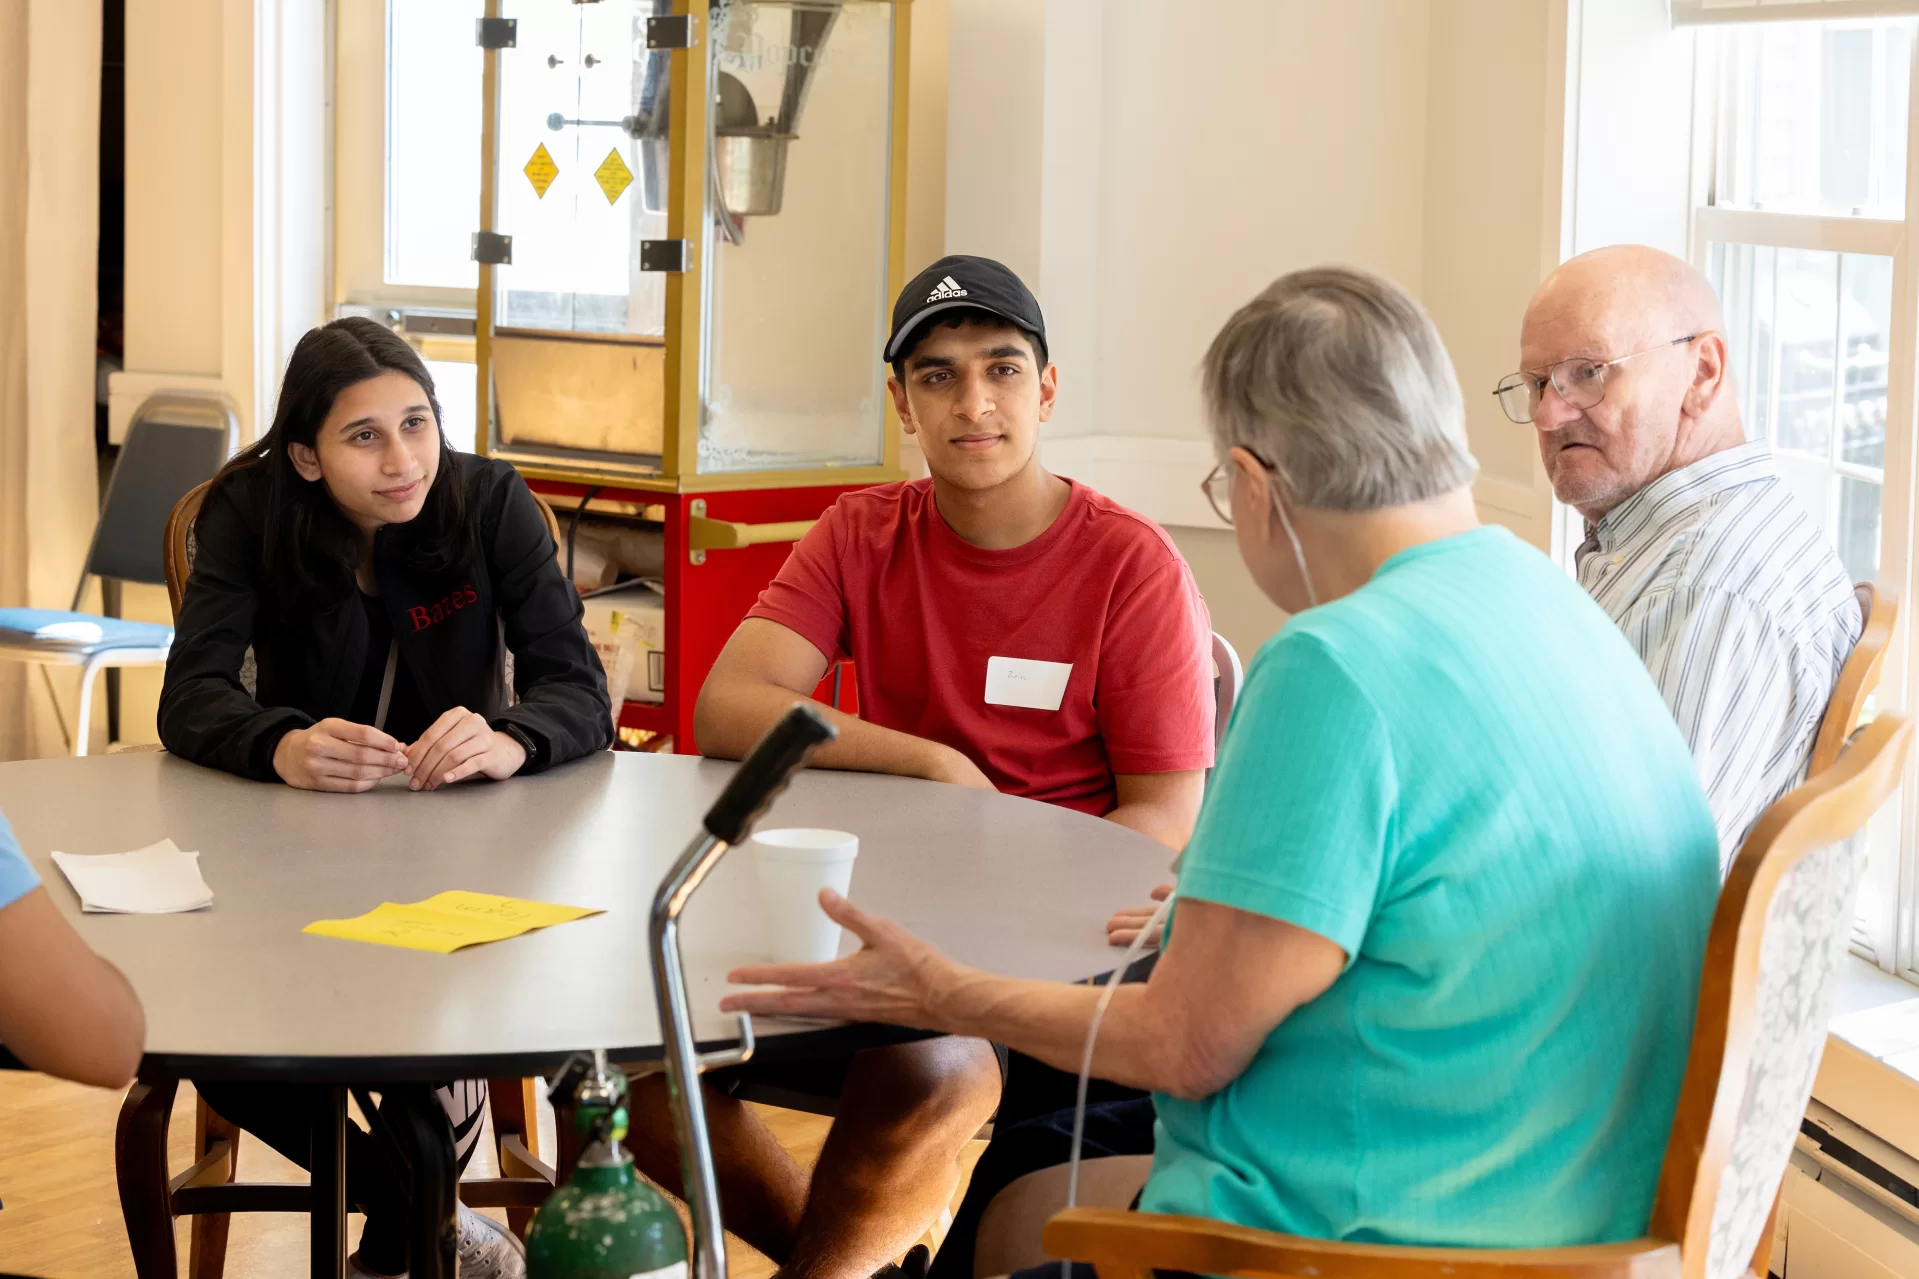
156 880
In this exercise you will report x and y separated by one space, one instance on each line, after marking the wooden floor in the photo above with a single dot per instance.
60 1211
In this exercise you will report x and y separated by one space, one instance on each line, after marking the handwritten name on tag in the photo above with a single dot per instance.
1021 681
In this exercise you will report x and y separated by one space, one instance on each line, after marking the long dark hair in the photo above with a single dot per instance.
309 548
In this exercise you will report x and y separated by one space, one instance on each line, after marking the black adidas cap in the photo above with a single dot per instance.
961 281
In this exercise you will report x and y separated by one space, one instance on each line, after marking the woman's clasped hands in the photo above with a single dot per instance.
340 755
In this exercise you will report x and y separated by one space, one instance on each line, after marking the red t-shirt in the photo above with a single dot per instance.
923 614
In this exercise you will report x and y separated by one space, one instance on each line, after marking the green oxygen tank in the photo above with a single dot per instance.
605 1222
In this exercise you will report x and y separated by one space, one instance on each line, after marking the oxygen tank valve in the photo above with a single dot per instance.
605 1222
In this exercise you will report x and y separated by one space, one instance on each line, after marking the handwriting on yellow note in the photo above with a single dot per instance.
445 922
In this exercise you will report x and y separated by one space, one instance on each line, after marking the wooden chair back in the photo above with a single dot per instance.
552 527
1858 677
179 540
1772 971
1766 992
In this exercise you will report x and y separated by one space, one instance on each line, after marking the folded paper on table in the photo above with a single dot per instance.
156 880
445 922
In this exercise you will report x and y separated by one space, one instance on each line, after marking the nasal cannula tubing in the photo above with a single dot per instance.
1086 1059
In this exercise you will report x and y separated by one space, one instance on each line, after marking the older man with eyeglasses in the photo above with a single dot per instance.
1694 545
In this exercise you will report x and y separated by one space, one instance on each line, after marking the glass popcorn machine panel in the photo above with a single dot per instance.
578 337
796 235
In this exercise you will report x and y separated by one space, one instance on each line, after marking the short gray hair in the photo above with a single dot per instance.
1338 380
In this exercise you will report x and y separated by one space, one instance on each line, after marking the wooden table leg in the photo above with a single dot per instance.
140 1163
328 1228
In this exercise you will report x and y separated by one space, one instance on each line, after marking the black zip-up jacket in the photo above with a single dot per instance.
450 628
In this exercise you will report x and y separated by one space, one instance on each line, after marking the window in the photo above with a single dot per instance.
1801 179
432 143
407 178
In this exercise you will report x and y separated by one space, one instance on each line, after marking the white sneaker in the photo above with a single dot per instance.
488 1250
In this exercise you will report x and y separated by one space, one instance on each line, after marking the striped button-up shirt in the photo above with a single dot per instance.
1741 610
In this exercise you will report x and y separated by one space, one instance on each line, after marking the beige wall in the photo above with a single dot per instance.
49 123
1281 134
1490 229
174 188
1147 186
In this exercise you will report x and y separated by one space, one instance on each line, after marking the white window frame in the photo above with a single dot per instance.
360 172
1894 946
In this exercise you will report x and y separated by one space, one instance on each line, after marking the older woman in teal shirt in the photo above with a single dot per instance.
1432 966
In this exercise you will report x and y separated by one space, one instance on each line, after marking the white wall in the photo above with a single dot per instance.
1490 231
1632 151
1148 174
1281 134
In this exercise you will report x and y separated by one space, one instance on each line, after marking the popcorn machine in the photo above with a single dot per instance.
691 229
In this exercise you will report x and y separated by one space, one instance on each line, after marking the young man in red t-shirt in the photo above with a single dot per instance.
1010 630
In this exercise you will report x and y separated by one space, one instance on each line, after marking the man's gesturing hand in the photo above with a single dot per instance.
894 977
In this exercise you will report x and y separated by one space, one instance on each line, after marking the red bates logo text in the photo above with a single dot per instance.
423 616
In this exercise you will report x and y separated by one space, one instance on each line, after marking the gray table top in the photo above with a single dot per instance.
238 990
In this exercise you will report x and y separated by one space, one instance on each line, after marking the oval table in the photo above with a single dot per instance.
237 991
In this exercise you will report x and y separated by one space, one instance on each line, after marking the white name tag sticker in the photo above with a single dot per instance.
1021 681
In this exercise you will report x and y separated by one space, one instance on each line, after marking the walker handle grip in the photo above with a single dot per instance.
765 772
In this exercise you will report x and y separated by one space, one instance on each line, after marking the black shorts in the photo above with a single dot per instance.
811 1084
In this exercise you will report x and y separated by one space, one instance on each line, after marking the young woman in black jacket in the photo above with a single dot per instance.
380 579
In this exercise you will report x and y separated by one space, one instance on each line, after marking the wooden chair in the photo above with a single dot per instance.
1879 609
1766 993
208 1191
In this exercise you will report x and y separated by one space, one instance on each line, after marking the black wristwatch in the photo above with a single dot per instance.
525 739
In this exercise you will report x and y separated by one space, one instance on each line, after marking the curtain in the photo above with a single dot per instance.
49 225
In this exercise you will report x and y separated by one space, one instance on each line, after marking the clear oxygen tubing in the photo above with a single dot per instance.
1299 556
1086 1058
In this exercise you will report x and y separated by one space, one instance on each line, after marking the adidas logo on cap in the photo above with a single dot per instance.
946 288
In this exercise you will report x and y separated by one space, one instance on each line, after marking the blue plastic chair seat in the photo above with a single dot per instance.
21 627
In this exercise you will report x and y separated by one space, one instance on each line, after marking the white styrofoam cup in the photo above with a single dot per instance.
794 864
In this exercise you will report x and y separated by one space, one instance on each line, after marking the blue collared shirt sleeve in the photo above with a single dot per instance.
17 876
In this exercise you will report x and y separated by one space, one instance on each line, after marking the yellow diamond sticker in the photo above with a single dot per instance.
541 171
613 175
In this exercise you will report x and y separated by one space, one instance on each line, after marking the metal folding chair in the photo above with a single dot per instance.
173 443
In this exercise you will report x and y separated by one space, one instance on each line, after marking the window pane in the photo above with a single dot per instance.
432 142
1807 337
1859 527
1865 320
582 168
1813 116
455 385
1744 275
1806 324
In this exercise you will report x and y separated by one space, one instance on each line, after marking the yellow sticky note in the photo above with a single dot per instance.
447 921
523 915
